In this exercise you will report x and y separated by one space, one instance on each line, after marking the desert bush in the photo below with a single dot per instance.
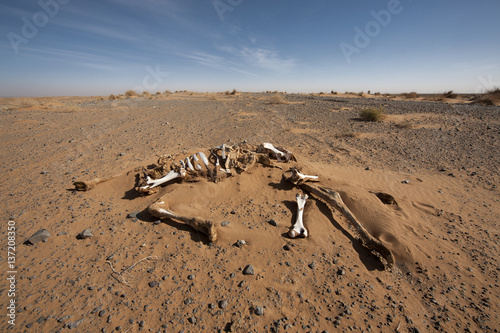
346 133
277 99
333 92
167 92
233 92
111 97
410 95
130 93
448 94
158 93
491 97
372 114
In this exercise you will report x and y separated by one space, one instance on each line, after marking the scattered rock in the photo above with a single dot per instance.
248 270
241 243
132 215
85 234
39 236
75 324
259 310
223 304
272 222
407 181
224 223
153 284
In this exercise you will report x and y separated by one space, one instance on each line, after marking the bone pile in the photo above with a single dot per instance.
222 161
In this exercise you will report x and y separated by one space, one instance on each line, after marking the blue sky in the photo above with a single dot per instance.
72 47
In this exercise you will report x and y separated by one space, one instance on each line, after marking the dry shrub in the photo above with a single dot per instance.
167 92
372 114
448 94
112 97
491 97
277 99
130 93
333 92
410 95
346 133
405 124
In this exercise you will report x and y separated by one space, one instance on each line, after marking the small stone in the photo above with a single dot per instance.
97 309
85 234
233 212
224 223
122 154
101 313
157 222
272 222
190 277
62 233
340 271
312 265
44 172
259 311
192 320
39 236
188 300
248 270
407 181
241 243
141 323
223 304
153 284
75 324
132 215
367 168
286 247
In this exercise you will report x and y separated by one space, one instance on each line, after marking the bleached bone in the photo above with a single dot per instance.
189 165
293 175
195 160
152 183
333 199
87 185
223 151
181 162
158 209
298 228
203 158
280 153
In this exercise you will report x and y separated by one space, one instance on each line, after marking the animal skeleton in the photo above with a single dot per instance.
224 161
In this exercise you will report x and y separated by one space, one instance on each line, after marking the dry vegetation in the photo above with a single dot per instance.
372 114
491 97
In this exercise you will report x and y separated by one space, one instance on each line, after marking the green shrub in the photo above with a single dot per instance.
373 114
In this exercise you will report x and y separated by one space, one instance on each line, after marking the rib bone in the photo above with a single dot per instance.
298 228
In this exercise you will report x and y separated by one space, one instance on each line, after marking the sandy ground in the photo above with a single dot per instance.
439 161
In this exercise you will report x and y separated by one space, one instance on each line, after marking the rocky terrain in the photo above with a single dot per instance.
130 272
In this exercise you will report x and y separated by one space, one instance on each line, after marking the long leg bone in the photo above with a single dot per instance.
333 199
205 226
298 228
90 184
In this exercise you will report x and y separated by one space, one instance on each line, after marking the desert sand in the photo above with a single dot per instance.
138 274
